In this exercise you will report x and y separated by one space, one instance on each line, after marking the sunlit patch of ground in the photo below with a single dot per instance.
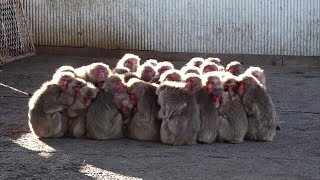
98 173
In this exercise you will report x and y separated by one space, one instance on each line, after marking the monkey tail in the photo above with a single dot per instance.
16 90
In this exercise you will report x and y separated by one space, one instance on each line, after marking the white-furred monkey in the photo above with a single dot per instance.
262 117
161 68
235 68
214 60
179 113
47 103
208 67
130 61
170 75
196 61
96 73
258 73
144 124
189 69
146 72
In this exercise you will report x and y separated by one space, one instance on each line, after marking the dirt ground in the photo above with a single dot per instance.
294 153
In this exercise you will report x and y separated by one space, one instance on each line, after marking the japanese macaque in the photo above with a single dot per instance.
208 112
208 67
161 68
258 73
47 103
170 75
235 68
179 113
146 72
189 69
121 70
144 124
104 120
130 61
153 62
129 75
196 61
65 69
262 118
214 60
76 113
233 121
96 73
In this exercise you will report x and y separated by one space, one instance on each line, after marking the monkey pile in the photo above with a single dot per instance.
203 102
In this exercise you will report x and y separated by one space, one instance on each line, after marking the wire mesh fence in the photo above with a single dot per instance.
15 40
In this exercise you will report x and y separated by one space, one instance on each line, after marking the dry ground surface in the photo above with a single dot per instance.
294 153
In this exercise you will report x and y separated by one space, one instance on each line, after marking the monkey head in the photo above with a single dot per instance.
235 68
130 61
189 69
121 70
98 73
163 67
75 85
146 72
62 79
208 67
230 84
66 69
114 84
246 82
212 81
196 61
170 75
257 72
214 60
152 62
88 93
193 82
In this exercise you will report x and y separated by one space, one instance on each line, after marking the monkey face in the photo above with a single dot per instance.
148 74
100 75
208 68
197 63
163 69
118 86
129 64
217 100
64 81
242 88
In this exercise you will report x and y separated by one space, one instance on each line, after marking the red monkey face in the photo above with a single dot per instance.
242 87
189 83
208 69
232 69
100 75
163 69
129 64
169 78
217 100
148 74
197 63
119 87
63 82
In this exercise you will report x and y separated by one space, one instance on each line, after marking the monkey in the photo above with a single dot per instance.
208 67
170 75
161 68
131 61
235 68
96 73
179 113
153 62
262 117
214 60
76 113
121 70
146 72
189 69
258 73
144 124
207 111
65 69
128 76
233 121
46 105
103 119
196 61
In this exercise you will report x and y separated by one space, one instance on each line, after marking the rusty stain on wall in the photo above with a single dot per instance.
272 27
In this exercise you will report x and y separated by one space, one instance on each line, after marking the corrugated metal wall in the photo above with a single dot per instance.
272 27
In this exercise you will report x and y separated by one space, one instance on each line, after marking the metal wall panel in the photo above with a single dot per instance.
272 27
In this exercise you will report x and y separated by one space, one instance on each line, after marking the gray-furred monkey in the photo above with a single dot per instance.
262 117
104 120
179 113
77 111
144 124
233 121
47 103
